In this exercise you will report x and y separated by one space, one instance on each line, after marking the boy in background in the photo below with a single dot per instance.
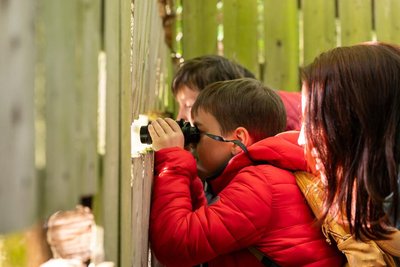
195 74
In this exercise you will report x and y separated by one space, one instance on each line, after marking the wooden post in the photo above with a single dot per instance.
125 101
355 21
319 26
18 190
111 180
240 33
387 24
281 45
199 26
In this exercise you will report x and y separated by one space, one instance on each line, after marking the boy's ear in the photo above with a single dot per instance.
243 136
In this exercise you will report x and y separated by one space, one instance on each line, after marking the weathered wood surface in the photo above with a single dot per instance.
199 28
355 21
319 28
125 101
387 23
18 192
240 41
281 27
111 179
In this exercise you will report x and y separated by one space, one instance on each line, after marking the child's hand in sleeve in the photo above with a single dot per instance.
166 133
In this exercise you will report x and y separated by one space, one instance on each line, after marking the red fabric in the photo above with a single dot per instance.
292 103
258 206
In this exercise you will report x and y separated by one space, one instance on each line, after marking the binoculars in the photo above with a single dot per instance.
191 133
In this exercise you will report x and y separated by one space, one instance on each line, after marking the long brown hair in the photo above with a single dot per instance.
352 120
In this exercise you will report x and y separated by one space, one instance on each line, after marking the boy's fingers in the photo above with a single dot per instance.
164 126
152 131
173 124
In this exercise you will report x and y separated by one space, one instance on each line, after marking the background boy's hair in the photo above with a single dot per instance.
199 72
243 102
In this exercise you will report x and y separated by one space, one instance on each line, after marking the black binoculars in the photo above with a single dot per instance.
191 133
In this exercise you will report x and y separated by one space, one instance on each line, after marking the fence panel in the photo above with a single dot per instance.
87 104
281 44
240 33
355 21
61 107
199 27
387 24
319 28
18 190
111 179
139 55
126 257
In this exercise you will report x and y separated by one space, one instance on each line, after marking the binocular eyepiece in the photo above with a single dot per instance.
191 134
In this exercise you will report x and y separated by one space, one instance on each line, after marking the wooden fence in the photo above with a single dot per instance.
65 64
274 38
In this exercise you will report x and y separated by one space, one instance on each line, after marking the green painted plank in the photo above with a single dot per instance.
61 87
240 33
111 194
140 57
166 69
281 45
355 21
145 55
18 192
88 53
126 257
156 36
139 16
319 28
387 24
199 27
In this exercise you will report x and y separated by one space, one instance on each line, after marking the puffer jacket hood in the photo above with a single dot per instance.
281 151
292 103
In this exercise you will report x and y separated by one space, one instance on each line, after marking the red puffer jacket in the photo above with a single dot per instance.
256 205
292 103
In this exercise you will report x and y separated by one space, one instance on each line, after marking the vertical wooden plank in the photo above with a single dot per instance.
137 48
319 27
165 79
126 257
387 24
199 27
148 174
140 55
355 21
86 127
138 207
281 44
18 192
111 178
156 35
240 33
60 24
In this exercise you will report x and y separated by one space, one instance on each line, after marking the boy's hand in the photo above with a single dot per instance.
166 133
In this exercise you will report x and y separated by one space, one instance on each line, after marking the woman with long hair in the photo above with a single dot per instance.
351 128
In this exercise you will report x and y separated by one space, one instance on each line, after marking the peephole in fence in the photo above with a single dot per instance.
191 133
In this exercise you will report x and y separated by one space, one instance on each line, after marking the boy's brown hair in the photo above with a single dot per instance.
243 103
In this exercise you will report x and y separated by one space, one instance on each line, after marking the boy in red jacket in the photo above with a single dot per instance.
257 205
